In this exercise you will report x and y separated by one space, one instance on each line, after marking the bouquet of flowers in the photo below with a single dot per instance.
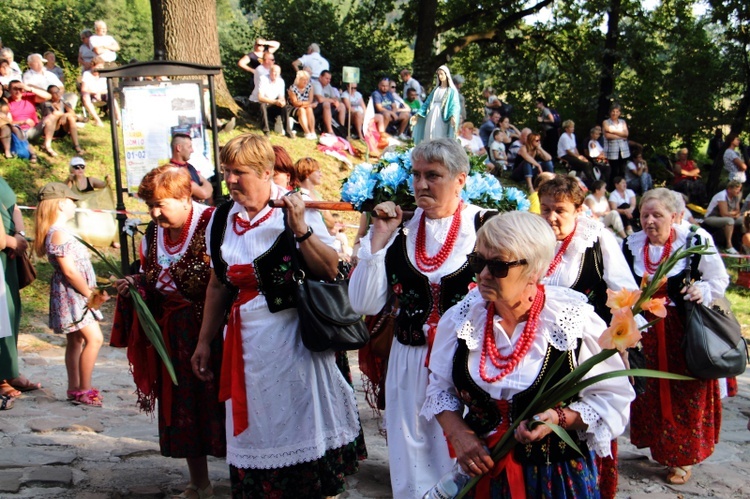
390 180
622 334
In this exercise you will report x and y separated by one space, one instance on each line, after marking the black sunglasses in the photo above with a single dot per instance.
498 268
79 167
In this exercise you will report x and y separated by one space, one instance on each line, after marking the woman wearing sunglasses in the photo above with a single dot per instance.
422 261
587 259
493 350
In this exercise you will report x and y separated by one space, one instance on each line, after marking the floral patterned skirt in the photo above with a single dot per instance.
696 406
571 479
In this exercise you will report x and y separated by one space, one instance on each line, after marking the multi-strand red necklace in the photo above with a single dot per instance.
489 347
650 266
173 247
240 225
563 248
432 263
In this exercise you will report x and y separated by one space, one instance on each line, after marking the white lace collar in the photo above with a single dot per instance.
561 321
587 233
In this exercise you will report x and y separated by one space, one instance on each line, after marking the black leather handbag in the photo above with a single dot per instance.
326 318
713 343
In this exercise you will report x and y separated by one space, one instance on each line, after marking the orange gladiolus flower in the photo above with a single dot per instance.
622 333
625 298
656 306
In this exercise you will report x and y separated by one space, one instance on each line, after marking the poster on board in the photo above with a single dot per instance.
151 115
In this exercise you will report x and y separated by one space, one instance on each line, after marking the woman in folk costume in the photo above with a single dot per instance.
589 260
492 354
422 261
679 420
174 276
292 418
440 113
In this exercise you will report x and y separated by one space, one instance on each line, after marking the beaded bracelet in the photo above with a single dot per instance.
561 422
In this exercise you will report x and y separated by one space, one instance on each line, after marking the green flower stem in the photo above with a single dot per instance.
147 321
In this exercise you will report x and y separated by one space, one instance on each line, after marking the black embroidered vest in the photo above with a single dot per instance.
273 269
590 281
483 415
414 292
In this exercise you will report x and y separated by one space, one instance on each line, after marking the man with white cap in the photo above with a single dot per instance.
37 76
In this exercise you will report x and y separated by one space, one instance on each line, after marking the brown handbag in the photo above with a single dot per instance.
26 270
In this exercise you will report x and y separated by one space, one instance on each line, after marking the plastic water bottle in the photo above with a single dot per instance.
449 484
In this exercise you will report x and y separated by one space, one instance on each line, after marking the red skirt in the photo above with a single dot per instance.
693 431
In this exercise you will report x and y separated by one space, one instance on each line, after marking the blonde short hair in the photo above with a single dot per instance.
251 150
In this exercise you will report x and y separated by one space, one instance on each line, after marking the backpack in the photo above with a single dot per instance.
19 147
556 116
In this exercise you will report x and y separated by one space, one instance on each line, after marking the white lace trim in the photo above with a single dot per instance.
290 455
435 404
598 436
587 233
561 320
636 242
705 291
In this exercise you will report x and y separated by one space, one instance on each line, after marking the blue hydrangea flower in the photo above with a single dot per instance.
392 176
390 156
360 185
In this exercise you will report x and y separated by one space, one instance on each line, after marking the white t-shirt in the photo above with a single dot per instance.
272 90
42 79
260 72
475 144
316 62
566 143
601 206
616 198
94 84
356 100
101 41
497 151
595 149
713 206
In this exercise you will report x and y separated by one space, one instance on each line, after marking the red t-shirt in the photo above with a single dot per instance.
23 109
688 166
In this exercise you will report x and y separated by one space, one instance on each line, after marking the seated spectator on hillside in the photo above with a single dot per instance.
22 106
596 154
601 210
94 90
329 107
86 53
253 59
622 200
60 119
547 121
51 66
636 174
687 178
272 97
37 76
301 99
7 128
498 157
512 150
485 131
733 162
412 101
395 94
182 148
567 151
491 102
387 105
724 213
266 63
410 82
104 45
355 104
317 62
470 141
6 75
533 161
15 69
508 131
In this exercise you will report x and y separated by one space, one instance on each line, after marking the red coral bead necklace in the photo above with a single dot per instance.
173 247
563 248
489 347
665 252
432 263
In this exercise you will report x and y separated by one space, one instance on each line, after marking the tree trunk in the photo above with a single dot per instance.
607 82
424 45
186 30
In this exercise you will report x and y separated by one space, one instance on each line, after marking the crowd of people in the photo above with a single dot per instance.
486 301
39 104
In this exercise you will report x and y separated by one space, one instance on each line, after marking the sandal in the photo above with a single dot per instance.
23 384
193 492
51 152
90 398
8 391
6 403
33 159
74 394
679 475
